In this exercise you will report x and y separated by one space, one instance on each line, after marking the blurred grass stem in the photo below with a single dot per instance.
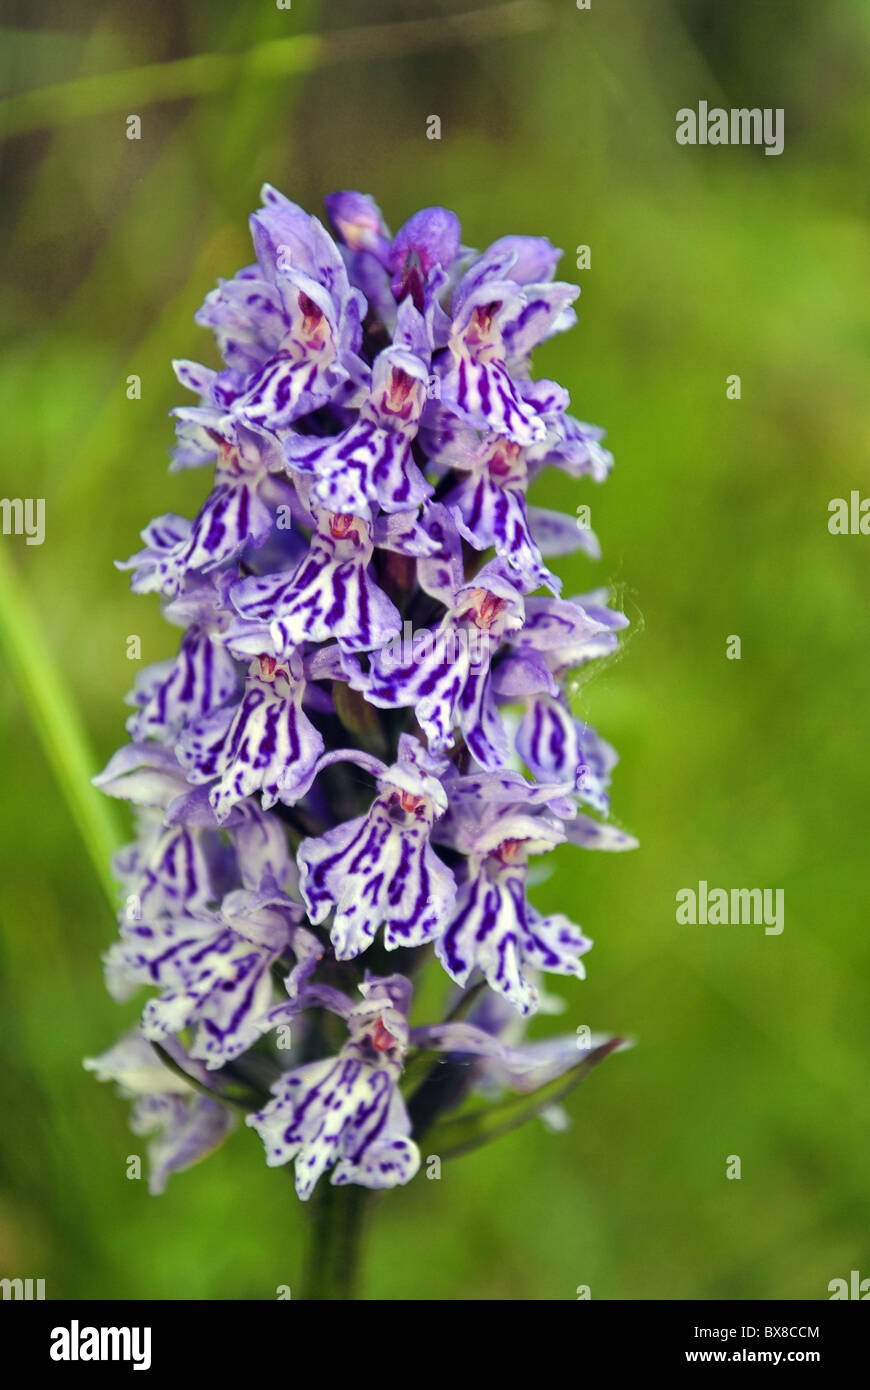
204 73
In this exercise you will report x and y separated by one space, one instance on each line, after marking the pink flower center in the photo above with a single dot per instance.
481 327
399 399
488 610
504 458
341 524
382 1038
314 329
270 668
508 850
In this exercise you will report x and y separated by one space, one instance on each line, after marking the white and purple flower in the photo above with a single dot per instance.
346 1113
380 869
360 602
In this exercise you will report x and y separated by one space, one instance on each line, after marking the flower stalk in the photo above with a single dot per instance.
335 1246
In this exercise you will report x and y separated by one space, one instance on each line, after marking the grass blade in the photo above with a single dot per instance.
45 699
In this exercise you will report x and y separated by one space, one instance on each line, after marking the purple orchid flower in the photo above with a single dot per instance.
371 464
497 321
489 502
346 1113
236 515
200 679
213 970
167 868
359 598
445 673
497 820
329 594
291 325
380 869
266 744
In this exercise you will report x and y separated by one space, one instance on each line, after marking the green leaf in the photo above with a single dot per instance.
451 1138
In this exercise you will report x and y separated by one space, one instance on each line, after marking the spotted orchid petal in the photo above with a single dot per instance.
345 1113
372 463
267 744
445 674
496 930
170 694
330 594
380 869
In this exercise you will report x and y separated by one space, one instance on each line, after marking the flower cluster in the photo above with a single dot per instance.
365 735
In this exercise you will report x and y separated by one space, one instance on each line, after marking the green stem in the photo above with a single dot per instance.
338 1220
252 1103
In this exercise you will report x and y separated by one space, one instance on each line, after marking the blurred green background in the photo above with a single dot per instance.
704 262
